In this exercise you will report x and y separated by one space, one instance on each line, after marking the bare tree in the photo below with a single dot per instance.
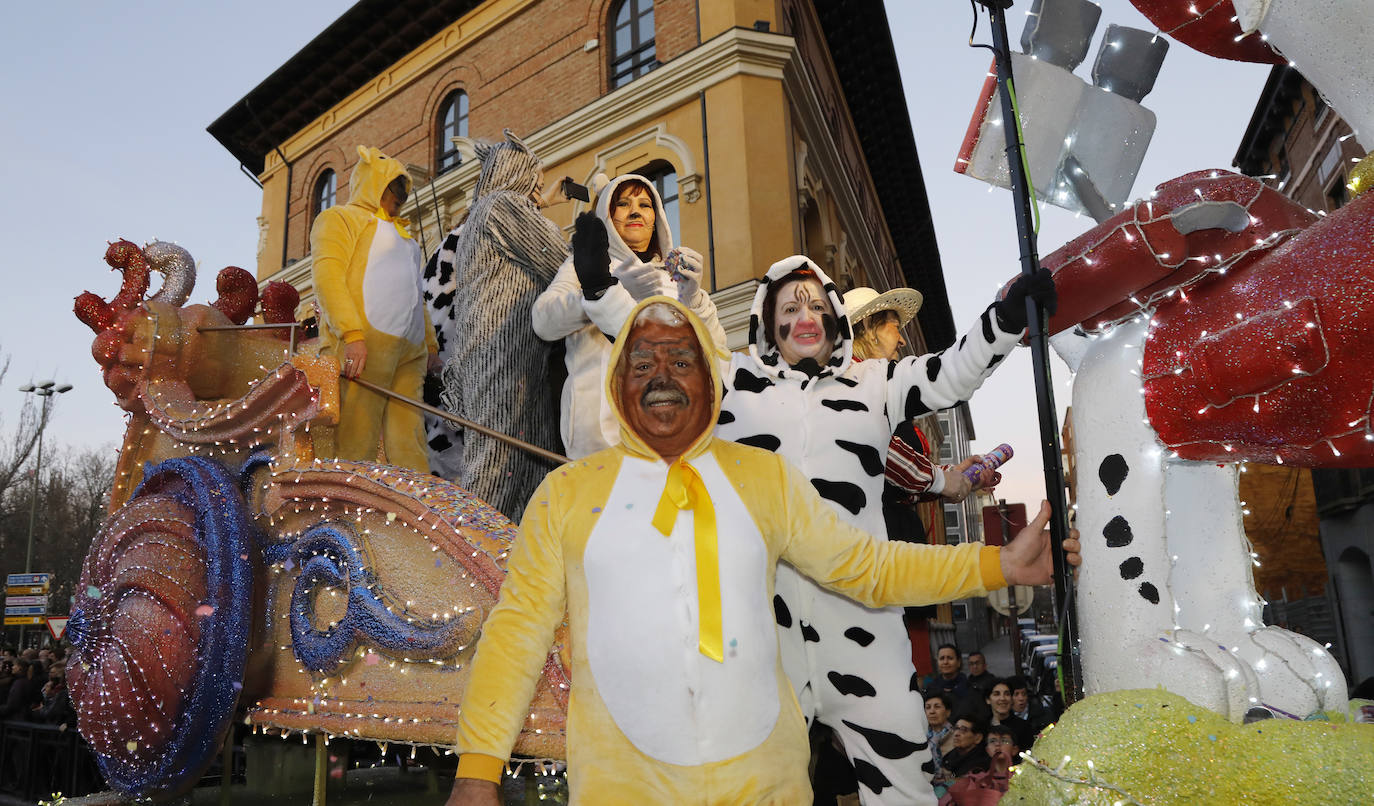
72 495
15 453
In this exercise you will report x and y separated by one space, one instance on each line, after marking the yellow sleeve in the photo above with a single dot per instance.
872 571
515 642
331 249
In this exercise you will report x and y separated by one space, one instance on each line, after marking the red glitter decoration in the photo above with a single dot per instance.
1262 318
1208 26
1272 360
238 294
128 259
279 303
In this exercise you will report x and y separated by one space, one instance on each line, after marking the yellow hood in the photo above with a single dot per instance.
631 441
370 177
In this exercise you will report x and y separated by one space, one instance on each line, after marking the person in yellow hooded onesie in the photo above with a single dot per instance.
366 269
663 550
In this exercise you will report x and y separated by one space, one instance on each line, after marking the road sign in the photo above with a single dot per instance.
1002 522
28 579
57 625
28 610
1001 601
23 621
17 601
26 590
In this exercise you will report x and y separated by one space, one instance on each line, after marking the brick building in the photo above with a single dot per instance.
772 126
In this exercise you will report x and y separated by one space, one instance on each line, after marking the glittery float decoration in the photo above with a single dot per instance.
329 555
1208 26
178 269
279 303
1216 322
160 627
1153 747
1257 338
129 260
369 565
238 294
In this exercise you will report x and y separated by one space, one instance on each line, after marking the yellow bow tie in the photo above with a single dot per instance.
685 490
401 223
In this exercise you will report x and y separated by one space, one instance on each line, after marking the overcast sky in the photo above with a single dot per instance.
107 104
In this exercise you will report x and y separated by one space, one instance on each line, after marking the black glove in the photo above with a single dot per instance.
1011 309
590 256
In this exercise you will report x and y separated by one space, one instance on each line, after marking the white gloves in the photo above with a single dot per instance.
684 264
640 279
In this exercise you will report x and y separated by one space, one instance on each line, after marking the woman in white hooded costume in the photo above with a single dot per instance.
645 263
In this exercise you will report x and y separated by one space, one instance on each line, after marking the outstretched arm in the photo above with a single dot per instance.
939 380
515 642
878 573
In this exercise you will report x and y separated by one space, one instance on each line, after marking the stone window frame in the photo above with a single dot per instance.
641 54
446 153
324 192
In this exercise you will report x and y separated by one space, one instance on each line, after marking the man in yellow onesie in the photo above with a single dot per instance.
366 270
663 551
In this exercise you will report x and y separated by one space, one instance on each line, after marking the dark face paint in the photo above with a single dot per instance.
805 324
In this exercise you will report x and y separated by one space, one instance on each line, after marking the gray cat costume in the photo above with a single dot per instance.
506 253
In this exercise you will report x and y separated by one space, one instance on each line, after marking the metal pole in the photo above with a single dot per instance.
37 469
1051 454
33 503
453 418
321 770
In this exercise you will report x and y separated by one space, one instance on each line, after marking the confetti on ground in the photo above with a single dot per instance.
92 591
371 659
205 611
133 747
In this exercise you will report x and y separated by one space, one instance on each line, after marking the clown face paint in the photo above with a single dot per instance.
804 323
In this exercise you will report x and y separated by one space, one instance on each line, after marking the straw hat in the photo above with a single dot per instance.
862 302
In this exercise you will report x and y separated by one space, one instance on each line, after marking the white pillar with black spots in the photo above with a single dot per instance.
1166 594
1123 606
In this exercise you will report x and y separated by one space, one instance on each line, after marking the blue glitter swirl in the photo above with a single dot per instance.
226 535
329 555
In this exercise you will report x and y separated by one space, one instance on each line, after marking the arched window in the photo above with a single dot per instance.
632 41
326 188
451 122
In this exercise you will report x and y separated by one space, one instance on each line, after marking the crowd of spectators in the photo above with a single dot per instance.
33 687
978 726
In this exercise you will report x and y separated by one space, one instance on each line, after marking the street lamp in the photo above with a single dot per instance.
45 390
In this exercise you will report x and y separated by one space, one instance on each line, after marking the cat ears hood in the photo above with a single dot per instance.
370 177
506 165
765 352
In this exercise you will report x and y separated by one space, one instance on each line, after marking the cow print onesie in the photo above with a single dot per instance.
851 665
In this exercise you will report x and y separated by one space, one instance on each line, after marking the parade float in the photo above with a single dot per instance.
243 575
